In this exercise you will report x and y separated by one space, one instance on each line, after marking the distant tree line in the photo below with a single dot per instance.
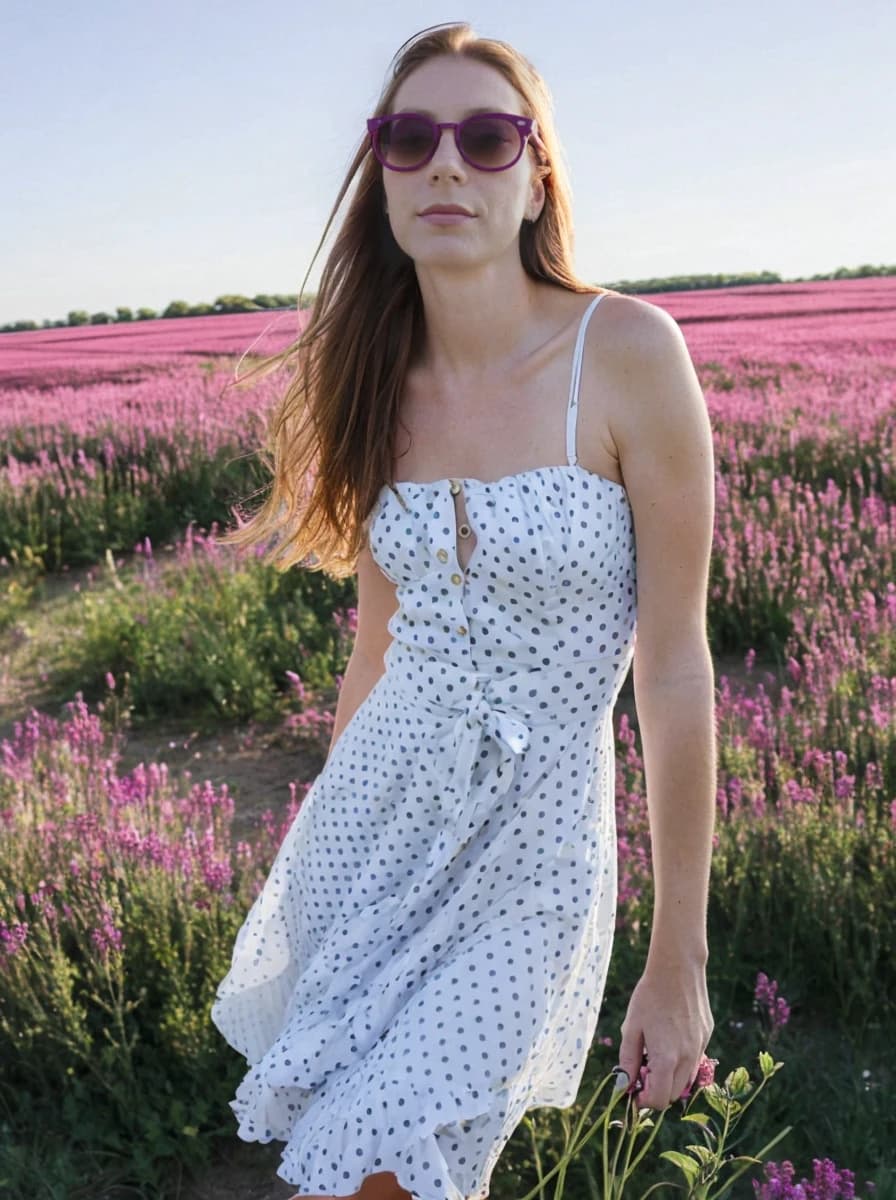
276 301
177 308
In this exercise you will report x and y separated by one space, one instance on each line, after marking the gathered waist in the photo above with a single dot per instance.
477 707
568 690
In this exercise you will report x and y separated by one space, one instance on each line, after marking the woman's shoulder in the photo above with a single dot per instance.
631 323
637 360
635 338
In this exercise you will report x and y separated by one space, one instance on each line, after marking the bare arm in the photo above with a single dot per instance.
664 439
376 604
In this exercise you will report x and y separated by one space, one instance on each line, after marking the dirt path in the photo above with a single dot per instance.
244 1171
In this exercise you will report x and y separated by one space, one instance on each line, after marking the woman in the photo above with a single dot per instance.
427 958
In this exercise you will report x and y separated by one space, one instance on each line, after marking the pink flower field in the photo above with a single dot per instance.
120 889
844 316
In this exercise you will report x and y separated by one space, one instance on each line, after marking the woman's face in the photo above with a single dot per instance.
447 89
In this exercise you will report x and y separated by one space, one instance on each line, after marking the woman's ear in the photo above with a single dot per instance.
538 195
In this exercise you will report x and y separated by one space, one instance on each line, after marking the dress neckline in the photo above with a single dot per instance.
491 483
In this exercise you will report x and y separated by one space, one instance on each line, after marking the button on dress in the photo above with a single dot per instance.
426 960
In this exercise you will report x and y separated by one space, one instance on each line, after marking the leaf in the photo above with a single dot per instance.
716 1099
766 1064
687 1165
703 1153
736 1079
738 1084
698 1118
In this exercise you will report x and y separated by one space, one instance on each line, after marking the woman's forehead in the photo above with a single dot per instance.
453 87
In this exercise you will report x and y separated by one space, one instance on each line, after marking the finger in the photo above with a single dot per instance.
658 1091
682 1081
640 1086
631 1054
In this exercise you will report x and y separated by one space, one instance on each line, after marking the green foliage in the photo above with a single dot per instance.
154 491
808 893
212 636
112 1068
624 1159
19 581
115 1062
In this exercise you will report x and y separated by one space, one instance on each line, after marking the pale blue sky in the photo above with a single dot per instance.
155 151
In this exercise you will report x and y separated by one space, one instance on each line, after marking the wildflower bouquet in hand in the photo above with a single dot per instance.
708 1170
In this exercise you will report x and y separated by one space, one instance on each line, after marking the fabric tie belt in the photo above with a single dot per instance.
504 709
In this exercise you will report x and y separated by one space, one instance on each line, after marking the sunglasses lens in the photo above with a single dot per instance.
490 141
405 141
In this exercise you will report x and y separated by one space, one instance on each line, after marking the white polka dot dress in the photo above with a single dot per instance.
427 957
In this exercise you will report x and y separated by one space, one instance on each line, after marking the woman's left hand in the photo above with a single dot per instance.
669 1021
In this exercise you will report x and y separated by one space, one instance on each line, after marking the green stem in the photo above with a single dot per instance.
580 1124
569 1154
593 1192
565 1159
731 1125
720 1145
678 1186
631 1122
609 1175
617 1152
647 1144
747 1103
536 1154
737 1174
604 1158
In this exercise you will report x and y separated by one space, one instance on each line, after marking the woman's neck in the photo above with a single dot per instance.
477 321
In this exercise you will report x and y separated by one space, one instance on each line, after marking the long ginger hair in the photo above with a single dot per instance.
330 443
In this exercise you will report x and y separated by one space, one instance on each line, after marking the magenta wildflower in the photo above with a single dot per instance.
827 1182
778 1183
769 1003
12 939
296 684
106 937
706 1074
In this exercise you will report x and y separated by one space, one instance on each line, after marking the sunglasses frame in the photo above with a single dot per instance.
526 127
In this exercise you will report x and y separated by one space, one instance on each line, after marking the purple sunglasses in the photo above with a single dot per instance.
487 141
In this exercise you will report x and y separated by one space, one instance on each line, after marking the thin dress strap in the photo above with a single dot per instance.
573 407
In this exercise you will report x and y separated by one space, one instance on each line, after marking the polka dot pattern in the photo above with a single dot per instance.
427 957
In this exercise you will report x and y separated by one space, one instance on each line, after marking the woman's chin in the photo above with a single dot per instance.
450 254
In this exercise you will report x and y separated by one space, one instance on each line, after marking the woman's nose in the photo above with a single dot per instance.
446 152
